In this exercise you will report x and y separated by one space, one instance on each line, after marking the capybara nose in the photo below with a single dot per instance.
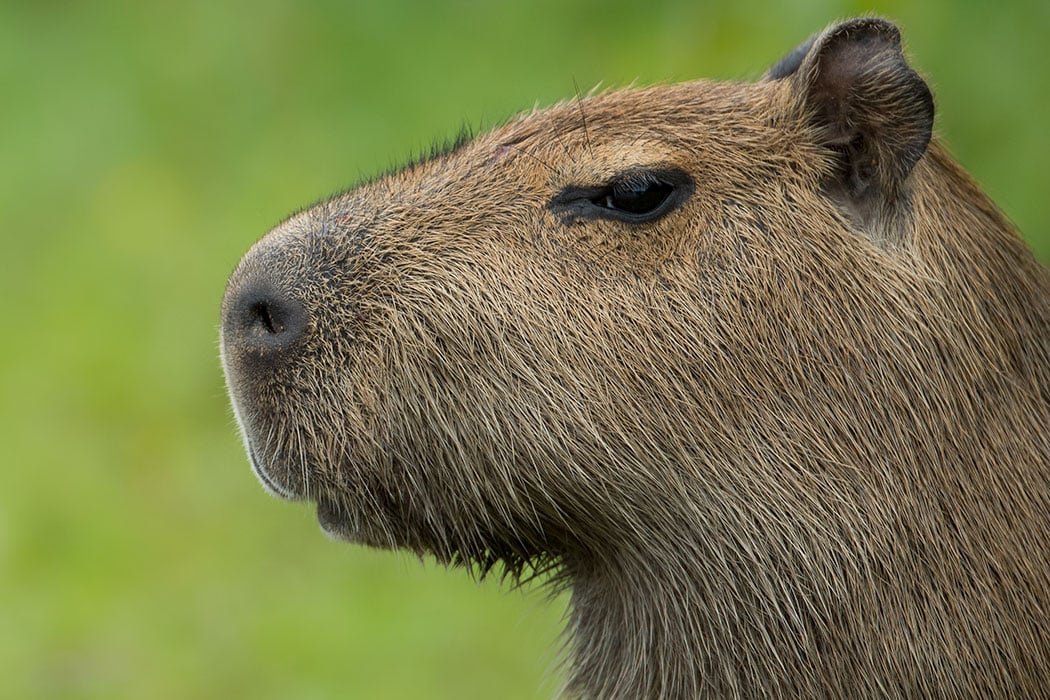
262 323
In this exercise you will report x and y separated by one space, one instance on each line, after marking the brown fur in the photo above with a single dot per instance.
790 440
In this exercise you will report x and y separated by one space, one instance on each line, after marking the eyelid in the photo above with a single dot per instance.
633 178
572 204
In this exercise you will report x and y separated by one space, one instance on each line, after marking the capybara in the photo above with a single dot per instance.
755 370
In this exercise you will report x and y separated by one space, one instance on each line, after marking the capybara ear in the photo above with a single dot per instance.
866 102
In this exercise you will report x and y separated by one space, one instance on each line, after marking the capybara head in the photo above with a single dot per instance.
754 368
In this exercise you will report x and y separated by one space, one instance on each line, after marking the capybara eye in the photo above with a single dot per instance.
636 196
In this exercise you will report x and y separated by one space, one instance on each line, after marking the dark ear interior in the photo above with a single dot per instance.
867 104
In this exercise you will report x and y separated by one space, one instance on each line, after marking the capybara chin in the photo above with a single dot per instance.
754 369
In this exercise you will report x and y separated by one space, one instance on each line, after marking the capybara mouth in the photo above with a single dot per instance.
268 482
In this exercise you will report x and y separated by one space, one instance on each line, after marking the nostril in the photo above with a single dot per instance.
263 321
263 313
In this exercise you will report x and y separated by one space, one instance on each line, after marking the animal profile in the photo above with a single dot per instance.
754 370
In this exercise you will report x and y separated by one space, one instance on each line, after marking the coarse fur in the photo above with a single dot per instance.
788 440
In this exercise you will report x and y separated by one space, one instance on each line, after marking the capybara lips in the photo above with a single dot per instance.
268 482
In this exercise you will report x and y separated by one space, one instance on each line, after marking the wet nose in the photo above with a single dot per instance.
260 322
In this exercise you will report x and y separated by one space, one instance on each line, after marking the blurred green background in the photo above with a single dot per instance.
143 147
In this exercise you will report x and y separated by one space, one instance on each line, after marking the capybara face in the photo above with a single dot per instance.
488 349
523 346
756 368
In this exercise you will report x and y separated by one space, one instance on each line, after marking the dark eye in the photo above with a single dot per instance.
635 196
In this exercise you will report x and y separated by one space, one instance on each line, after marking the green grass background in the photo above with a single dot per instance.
144 146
